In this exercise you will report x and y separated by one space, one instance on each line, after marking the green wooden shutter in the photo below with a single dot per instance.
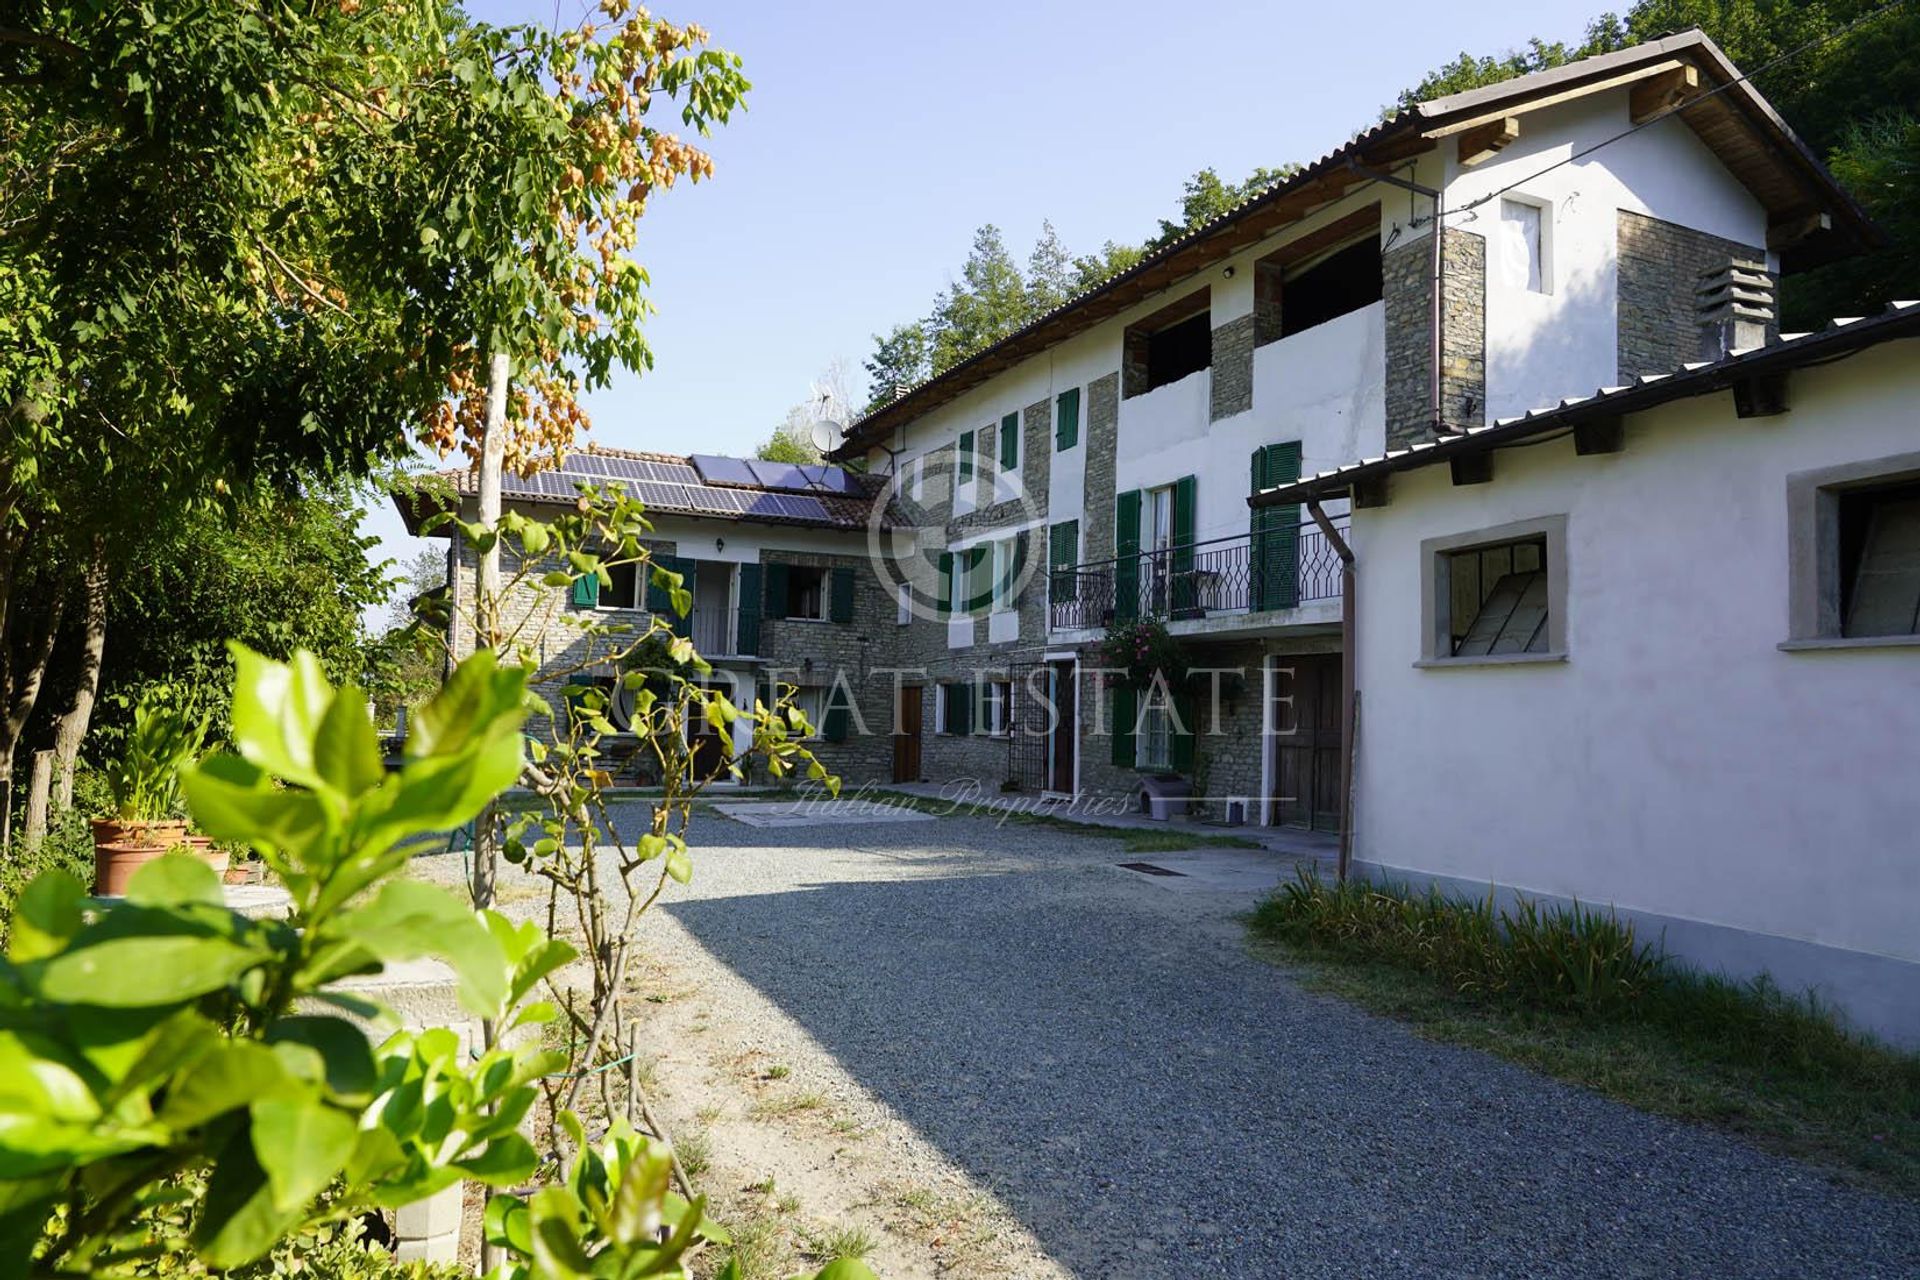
776 591
1125 707
586 591
1063 553
1276 530
747 637
966 456
835 727
840 600
1066 421
1126 549
1185 597
946 584
1180 744
660 599
1010 442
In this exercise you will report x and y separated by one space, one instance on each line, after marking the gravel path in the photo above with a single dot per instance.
1096 1049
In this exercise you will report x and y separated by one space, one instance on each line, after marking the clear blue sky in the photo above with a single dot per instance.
878 136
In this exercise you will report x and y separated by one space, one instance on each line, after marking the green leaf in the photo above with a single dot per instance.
408 919
845 1269
174 879
342 1047
557 1251
479 701
679 865
141 972
277 710
46 917
301 1143
346 750
508 1159
233 1074
236 801
238 1219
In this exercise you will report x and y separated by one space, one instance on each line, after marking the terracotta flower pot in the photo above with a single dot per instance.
114 864
238 873
165 834
203 849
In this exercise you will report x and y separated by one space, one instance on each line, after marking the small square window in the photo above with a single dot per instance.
806 592
1497 599
624 592
1880 561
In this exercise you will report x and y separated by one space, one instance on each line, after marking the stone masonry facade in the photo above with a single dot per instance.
1661 265
1406 276
1232 390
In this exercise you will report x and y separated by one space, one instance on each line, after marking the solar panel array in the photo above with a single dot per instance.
780 476
677 495
600 466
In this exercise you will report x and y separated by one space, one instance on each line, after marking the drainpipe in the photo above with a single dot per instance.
1349 694
1437 279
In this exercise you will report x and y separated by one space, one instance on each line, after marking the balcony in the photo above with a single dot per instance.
1222 576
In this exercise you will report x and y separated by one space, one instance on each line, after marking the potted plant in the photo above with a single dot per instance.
145 782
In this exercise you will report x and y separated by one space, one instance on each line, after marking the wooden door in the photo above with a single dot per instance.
906 735
1063 731
1306 741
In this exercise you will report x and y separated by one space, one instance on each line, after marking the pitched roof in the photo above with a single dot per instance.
1726 112
685 485
1840 338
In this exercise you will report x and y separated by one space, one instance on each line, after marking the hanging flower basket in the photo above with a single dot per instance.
1139 651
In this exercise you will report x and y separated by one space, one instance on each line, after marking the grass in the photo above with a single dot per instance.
831 1244
760 1250
792 1104
1575 995
778 1071
695 1149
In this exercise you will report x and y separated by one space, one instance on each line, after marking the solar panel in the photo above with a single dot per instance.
779 475
790 506
715 469
830 479
673 495
603 467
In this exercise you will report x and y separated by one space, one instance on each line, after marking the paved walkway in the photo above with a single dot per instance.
1095 1047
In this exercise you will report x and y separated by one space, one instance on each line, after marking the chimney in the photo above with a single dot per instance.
1735 307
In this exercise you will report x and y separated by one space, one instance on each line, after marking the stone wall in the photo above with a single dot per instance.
1660 265
1406 276
1232 368
1101 440
813 653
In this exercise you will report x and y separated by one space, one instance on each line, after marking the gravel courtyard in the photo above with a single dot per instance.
1093 1050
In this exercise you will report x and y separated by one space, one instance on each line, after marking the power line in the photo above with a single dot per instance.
1791 54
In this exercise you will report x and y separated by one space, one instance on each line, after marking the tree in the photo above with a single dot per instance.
987 302
901 360
214 292
1050 279
829 399
1205 197
1468 72
1094 269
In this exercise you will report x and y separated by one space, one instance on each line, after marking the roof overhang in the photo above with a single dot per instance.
1812 219
1600 412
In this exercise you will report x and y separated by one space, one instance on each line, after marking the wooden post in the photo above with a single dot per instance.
38 792
493 449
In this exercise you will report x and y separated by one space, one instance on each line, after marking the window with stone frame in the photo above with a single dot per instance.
1155 735
1497 600
1879 555
996 707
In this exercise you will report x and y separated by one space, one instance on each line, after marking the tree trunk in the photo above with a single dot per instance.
24 667
71 728
37 792
493 448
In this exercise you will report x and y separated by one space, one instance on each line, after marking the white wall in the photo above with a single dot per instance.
1678 762
1543 347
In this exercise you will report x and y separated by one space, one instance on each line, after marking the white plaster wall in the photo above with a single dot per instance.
1678 762
1543 347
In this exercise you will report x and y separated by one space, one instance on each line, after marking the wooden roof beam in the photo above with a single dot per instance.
1634 76
1663 93
1484 142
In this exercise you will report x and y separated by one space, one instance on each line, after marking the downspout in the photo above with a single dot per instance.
1349 693
1437 279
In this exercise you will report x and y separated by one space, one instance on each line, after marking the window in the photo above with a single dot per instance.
624 593
1342 281
1063 555
1155 735
811 699
1010 443
954 710
1496 595
1498 599
1522 246
806 592
1006 569
1066 419
996 705
1880 561
1180 349
964 463
1853 572
903 609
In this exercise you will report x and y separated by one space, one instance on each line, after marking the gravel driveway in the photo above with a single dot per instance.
1095 1048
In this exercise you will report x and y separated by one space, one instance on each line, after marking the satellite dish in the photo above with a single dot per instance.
825 434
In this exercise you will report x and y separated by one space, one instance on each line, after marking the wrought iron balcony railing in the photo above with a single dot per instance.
1284 568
